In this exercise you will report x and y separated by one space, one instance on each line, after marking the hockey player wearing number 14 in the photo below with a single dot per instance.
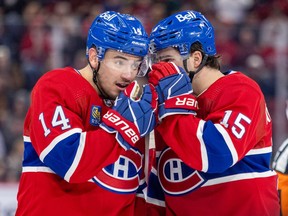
83 151
212 158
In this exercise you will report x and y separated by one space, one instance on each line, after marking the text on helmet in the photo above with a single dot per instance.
107 16
189 15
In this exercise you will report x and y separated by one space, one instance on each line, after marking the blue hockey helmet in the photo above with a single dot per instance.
121 32
181 30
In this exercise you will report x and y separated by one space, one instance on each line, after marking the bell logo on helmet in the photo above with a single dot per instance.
188 16
107 16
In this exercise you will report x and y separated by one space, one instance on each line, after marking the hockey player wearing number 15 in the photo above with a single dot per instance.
214 145
83 150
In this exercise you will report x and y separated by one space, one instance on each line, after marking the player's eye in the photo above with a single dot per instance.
167 60
119 62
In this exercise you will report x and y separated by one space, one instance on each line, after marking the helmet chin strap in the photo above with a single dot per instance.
192 73
108 101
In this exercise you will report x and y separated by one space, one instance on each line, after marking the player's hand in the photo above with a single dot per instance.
174 90
132 116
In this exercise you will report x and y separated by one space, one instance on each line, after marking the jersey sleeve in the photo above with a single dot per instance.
237 123
56 129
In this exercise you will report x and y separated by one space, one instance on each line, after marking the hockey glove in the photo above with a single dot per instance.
132 117
174 90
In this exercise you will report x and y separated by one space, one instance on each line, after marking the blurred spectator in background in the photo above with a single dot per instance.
4 104
35 45
247 38
273 34
257 70
14 160
232 12
13 118
2 158
142 9
226 45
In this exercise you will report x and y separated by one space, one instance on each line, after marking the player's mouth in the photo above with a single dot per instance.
122 86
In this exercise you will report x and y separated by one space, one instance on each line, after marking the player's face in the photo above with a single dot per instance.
117 71
170 54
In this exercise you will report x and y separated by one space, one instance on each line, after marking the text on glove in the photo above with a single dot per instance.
122 126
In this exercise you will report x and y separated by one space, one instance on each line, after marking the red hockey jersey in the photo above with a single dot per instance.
71 166
217 163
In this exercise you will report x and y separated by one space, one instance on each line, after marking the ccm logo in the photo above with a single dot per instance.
122 126
186 102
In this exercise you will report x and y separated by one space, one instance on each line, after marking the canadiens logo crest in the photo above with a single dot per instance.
123 175
95 116
176 178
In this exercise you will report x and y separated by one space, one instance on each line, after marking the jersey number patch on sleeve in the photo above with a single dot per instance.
59 119
238 128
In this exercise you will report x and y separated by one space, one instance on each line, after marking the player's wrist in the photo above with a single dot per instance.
183 105
185 101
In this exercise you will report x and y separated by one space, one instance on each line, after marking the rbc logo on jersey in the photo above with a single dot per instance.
175 177
95 116
123 175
